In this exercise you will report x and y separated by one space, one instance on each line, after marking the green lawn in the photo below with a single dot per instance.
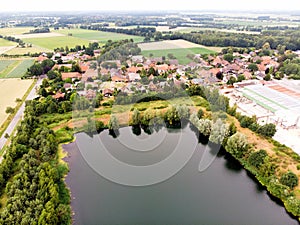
100 36
179 53
57 42
4 42
21 69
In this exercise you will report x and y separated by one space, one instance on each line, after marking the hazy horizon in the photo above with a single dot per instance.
154 5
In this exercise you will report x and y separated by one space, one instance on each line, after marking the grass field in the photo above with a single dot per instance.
10 89
14 68
100 36
57 42
4 42
179 53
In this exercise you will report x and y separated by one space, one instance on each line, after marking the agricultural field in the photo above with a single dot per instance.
10 90
178 48
15 68
27 50
12 31
174 44
56 42
100 36
5 43
178 53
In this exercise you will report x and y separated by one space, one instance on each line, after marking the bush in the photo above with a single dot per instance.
289 179
200 113
9 110
257 158
267 130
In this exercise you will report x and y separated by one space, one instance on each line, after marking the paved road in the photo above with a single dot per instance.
18 116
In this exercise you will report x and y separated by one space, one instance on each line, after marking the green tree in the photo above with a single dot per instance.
237 145
257 158
219 131
241 77
9 110
232 80
200 113
289 179
136 117
252 67
228 57
267 130
113 123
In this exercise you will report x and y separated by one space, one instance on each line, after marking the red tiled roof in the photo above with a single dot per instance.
70 75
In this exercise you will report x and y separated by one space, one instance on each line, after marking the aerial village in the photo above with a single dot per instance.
244 78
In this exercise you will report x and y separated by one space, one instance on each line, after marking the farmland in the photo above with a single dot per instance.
14 68
178 48
4 42
178 53
11 31
56 42
10 89
100 36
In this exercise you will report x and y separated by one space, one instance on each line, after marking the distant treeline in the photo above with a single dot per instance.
139 31
40 30
288 38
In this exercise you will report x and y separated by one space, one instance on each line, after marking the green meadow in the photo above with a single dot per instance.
57 42
100 36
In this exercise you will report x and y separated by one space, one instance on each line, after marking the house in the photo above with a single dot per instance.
59 66
83 67
58 95
134 77
162 68
119 78
72 75
134 69
90 73
67 86
90 94
137 59
41 58
107 92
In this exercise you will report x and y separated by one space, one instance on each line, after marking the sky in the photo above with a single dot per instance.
147 5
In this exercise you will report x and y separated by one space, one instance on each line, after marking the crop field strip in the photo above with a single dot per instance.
14 68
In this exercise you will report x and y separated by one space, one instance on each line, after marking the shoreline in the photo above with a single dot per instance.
64 159
67 157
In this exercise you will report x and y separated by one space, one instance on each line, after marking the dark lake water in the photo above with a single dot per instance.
222 194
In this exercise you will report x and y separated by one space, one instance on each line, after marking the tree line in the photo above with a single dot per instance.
31 176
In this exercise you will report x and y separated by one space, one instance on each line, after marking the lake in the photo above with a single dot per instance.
222 194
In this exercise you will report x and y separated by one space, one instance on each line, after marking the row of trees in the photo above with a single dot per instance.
32 177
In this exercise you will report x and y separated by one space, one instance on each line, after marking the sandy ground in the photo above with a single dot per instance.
4 49
10 89
38 35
